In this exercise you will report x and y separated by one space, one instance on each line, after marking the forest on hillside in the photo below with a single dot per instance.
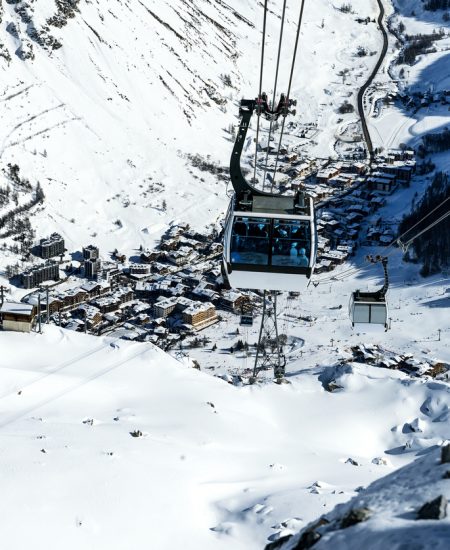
432 248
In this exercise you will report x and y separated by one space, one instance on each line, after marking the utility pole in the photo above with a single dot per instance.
39 313
2 289
48 308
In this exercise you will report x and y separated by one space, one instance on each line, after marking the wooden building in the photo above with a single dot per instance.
17 316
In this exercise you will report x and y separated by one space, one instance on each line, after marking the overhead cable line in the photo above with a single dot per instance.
421 220
352 271
260 86
397 240
300 18
275 89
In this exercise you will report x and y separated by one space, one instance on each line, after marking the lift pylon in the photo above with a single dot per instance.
269 353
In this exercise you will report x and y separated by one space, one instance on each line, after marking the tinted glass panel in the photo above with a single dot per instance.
378 314
291 243
250 241
361 313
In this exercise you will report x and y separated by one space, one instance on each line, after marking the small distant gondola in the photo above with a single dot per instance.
270 240
371 307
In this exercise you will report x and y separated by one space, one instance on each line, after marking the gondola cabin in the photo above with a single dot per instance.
246 319
371 307
270 242
368 307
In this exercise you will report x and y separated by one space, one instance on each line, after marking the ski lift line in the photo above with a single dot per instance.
299 25
275 88
426 216
278 154
397 240
352 271
407 244
260 85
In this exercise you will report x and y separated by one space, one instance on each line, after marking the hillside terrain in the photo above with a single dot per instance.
104 103
118 119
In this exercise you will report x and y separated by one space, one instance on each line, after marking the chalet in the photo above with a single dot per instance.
160 268
341 181
403 171
90 314
205 291
200 315
324 175
385 185
377 202
164 308
54 303
400 154
146 290
170 244
233 301
124 294
148 256
72 297
180 256
386 238
95 288
373 234
107 304
17 316
322 266
334 256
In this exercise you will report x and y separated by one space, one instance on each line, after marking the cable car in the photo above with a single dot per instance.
246 319
270 240
371 307
247 314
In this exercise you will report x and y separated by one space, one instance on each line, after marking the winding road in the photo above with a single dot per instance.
369 81
360 103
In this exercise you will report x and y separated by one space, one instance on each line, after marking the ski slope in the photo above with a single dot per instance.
216 466
107 122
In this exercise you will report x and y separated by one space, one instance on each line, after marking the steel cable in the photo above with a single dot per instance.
260 87
275 89
300 18
352 271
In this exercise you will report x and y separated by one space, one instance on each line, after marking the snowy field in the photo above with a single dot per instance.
106 126
214 465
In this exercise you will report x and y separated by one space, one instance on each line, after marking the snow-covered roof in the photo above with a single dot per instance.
17 308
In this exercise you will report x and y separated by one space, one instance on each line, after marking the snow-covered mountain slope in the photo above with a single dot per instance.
103 101
387 513
214 466
395 124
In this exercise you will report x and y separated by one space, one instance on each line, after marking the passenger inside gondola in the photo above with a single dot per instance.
262 241
250 242
291 243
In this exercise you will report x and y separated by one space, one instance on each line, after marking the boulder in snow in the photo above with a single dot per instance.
434 509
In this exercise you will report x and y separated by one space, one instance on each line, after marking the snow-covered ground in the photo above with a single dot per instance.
216 466
391 506
394 124
105 123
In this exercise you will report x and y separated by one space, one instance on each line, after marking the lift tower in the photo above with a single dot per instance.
269 353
